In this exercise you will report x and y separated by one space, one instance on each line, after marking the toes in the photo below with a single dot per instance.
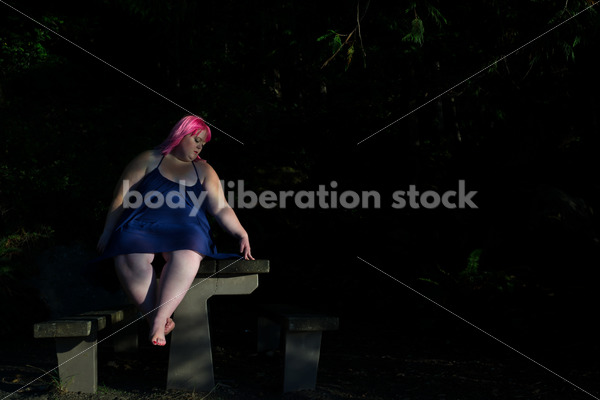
159 341
159 332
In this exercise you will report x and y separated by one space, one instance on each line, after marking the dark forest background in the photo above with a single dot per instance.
301 83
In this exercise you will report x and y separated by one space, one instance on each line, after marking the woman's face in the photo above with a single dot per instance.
190 146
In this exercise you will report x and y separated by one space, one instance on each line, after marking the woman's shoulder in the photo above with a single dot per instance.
146 161
202 164
205 170
147 156
150 155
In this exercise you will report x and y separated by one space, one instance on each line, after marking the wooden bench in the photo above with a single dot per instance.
77 338
301 330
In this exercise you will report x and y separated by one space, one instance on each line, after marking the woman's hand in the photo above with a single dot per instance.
245 248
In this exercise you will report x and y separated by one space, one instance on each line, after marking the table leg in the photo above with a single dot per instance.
190 357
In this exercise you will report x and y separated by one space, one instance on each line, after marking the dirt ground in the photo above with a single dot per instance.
359 361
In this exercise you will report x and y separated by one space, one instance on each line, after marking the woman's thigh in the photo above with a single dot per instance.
135 260
183 257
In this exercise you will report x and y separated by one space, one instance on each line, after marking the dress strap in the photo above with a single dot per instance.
160 162
197 176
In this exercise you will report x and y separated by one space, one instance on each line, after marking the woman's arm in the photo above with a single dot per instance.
132 174
218 207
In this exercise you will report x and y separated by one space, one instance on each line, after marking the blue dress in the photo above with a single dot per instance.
163 216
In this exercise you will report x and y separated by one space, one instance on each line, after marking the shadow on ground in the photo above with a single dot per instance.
381 359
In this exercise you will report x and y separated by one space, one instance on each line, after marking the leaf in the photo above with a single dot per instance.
429 281
350 54
417 27
336 43
325 36
471 272
436 15
416 33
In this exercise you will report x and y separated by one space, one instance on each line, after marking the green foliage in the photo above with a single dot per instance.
350 40
349 55
224 60
436 15
335 40
18 244
569 48
479 279
417 33
336 44
430 281
24 48
16 251
471 272
473 278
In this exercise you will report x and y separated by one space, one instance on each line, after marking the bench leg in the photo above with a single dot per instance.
78 363
268 335
302 350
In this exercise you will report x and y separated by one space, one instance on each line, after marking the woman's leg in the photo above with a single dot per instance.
136 274
137 278
176 278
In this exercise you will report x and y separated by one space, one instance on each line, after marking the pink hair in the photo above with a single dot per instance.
188 125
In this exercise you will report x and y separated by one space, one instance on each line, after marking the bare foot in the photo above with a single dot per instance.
157 335
169 326
158 340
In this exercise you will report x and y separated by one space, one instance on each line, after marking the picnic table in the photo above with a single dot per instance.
190 356
295 330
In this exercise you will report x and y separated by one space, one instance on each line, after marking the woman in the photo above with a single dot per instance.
160 206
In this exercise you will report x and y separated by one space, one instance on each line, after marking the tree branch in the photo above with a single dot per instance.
338 50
